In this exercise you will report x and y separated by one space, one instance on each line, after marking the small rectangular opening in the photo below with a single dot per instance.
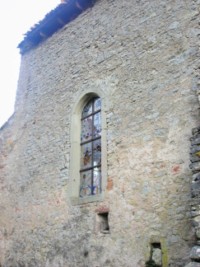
156 255
103 223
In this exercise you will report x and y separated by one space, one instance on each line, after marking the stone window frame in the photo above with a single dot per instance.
75 149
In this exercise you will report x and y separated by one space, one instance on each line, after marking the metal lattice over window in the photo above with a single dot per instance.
90 172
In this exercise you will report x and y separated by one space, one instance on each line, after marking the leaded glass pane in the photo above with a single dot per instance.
97 104
87 109
85 187
97 125
96 181
97 152
86 155
86 129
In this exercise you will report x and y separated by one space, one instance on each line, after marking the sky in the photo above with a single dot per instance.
16 18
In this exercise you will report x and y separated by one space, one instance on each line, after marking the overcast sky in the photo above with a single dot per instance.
16 18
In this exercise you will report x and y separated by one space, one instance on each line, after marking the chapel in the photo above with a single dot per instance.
100 162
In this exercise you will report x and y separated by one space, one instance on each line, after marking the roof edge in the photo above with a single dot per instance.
63 14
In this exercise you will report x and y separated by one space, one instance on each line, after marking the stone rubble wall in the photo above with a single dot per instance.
142 56
195 186
195 196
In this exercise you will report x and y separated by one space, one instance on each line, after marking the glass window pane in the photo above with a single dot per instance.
97 125
96 181
97 104
87 110
97 152
85 186
86 155
90 180
86 129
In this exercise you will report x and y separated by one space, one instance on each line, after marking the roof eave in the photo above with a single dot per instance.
63 14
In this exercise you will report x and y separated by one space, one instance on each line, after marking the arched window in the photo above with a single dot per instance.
90 164
88 155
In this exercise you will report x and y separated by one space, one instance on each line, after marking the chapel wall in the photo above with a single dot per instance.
141 57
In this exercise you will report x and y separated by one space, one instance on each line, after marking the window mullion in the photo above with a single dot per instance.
90 168
91 140
93 113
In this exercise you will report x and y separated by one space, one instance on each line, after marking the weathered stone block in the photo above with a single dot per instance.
195 253
196 130
196 177
195 157
195 149
194 137
195 189
196 141
195 166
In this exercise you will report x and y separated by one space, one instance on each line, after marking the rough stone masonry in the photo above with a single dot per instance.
142 59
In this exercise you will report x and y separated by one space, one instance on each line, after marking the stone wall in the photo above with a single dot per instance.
142 56
195 185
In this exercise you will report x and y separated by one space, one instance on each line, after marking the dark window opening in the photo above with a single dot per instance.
103 223
156 245
155 256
